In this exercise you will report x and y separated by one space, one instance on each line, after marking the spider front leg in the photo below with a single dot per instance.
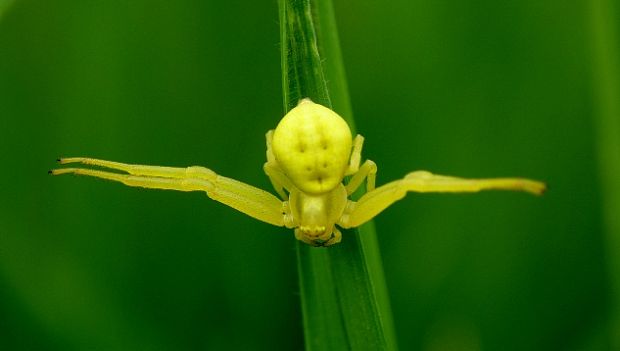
373 202
250 200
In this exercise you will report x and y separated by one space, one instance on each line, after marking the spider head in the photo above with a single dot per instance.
317 215
315 235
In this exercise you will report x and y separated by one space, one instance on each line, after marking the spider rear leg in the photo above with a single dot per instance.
356 155
367 171
278 179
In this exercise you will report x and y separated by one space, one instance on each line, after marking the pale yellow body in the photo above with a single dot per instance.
308 156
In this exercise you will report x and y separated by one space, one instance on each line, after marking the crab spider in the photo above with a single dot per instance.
308 156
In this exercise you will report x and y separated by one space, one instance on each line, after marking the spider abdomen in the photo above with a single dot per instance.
312 145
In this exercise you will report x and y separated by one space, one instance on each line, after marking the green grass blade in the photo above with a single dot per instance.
606 78
343 293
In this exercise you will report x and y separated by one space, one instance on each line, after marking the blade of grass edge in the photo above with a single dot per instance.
606 86
344 298
329 44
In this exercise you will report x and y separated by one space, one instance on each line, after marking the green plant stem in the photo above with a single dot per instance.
606 78
344 298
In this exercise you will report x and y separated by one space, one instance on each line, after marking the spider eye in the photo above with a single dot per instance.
322 242
313 230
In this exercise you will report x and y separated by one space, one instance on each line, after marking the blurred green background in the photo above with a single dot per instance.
469 88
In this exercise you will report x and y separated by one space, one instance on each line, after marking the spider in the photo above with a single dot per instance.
309 154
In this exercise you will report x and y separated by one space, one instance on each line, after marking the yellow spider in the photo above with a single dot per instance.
308 155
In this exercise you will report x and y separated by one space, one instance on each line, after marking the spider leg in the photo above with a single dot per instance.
336 237
156 171
368 170
373 202
250 200
424 182
356 155
278 179
269 139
